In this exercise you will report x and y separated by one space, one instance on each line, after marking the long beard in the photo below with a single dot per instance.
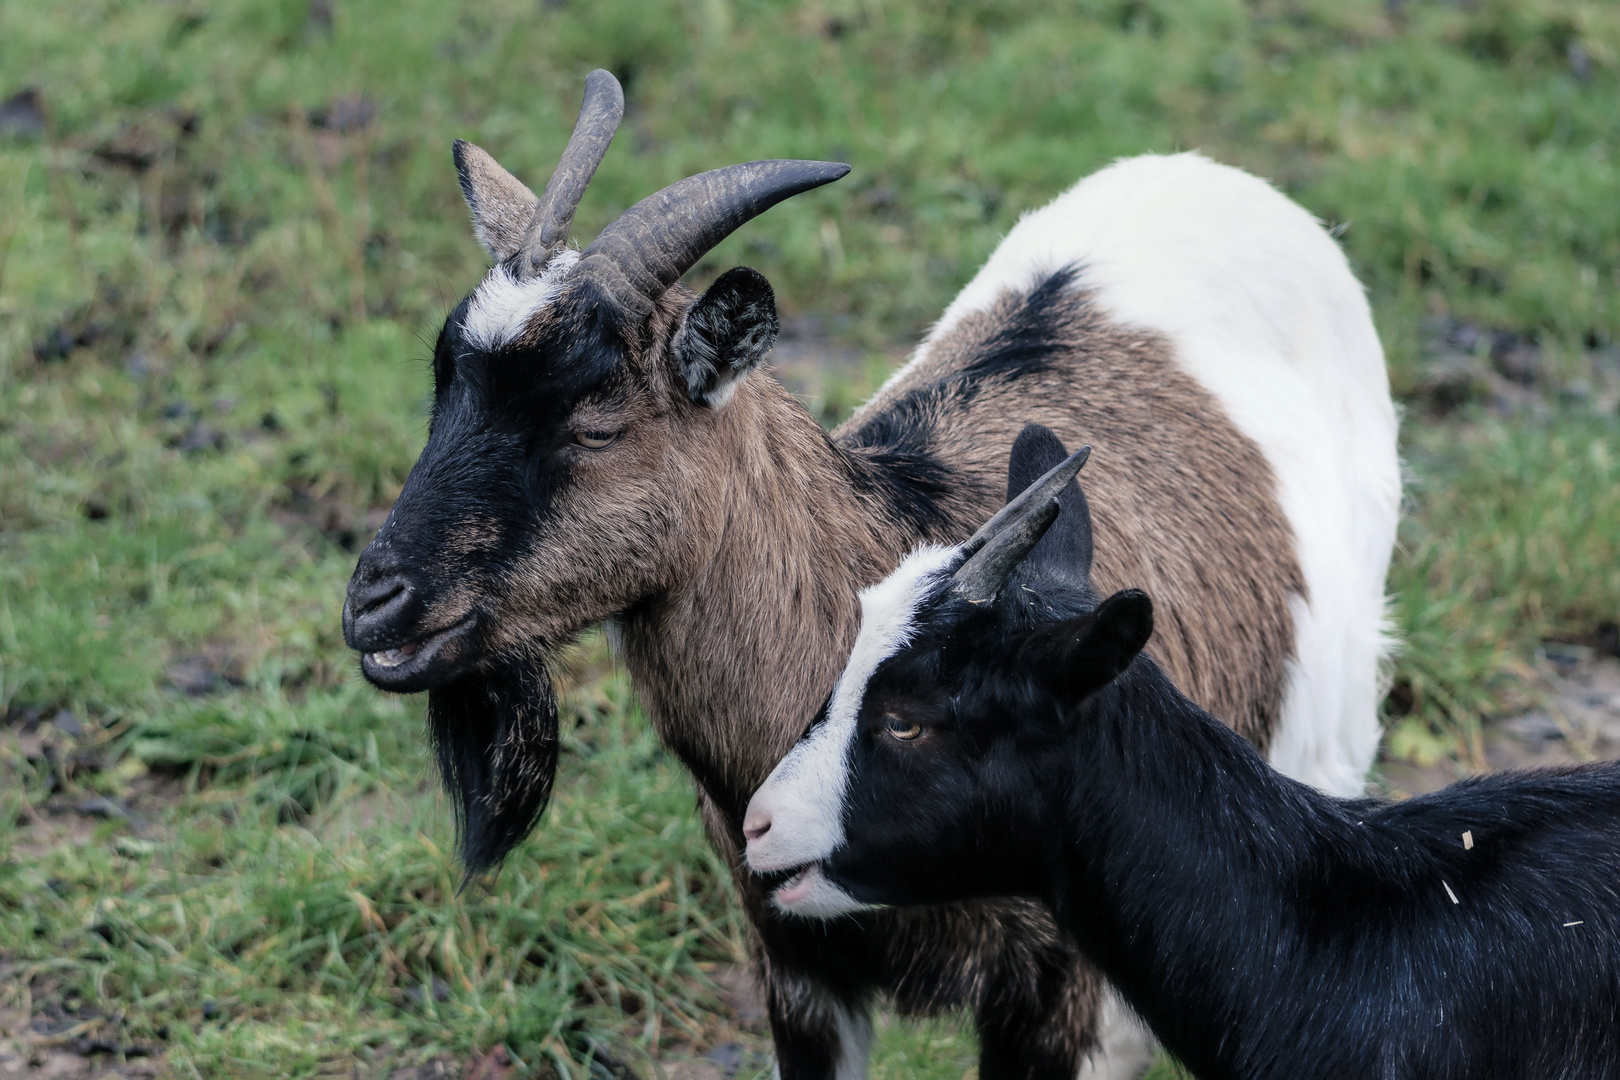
495 737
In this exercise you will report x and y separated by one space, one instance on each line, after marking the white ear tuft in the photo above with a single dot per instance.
501 205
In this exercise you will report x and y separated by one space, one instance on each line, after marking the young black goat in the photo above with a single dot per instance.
1004 735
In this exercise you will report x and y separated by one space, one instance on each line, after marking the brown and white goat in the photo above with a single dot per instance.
601 448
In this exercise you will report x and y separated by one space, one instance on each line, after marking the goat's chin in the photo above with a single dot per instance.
494 733
811 895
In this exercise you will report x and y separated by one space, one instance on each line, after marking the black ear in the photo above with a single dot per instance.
1080 656
1065 550
727 332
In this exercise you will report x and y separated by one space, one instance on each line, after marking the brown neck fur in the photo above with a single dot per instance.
732 661
787 543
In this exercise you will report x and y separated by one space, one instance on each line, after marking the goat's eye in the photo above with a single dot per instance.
904 730
595 440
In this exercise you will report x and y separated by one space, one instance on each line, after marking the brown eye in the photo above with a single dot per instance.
904 730
595 440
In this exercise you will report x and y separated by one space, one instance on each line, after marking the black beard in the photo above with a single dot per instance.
495 736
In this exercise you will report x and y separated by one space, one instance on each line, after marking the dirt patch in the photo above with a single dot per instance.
50 1043
1579 721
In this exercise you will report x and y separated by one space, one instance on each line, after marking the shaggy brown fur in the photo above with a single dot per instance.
1184 505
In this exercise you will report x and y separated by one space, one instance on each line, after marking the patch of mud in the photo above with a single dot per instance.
58 752
1578 721
50 1044
1468 363
823 371
314 518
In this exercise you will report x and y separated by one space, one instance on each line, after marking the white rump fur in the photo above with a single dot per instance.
502 306
804 795
1263 311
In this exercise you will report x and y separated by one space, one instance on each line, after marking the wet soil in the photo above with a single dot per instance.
1578 721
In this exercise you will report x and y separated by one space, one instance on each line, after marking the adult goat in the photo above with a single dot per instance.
601 448
997 733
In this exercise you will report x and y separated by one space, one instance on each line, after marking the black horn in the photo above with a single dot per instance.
653 243
599 116
1002 542
1049 486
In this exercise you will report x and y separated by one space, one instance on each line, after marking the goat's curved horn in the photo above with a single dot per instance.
981 577
599 116
1049 486
653 243
1002 542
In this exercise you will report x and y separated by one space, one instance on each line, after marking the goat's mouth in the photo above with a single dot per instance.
812 892
423 664
797 885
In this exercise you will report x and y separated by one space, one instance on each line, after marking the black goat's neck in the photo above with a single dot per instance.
772 574
1181 861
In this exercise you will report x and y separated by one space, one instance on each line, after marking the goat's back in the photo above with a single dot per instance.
1226 369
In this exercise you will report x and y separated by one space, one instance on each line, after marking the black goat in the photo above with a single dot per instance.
999 735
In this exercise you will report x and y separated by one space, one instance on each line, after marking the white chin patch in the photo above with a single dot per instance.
810 894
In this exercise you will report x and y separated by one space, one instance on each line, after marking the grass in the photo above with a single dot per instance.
233 222
1513 541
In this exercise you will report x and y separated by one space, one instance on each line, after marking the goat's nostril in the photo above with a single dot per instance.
381 597
756 826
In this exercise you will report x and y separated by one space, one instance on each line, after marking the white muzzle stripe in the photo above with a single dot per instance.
803 798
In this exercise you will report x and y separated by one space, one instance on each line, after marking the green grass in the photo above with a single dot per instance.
213 289
1514 539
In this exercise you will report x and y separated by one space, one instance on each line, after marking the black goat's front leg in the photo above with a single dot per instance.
817 1036
1076 1027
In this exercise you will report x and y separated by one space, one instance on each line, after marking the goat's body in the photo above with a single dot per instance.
998 731
1261 310
1242 411
1281 933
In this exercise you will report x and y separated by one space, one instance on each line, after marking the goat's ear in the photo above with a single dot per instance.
724 334
1065 550
1080 656
501 205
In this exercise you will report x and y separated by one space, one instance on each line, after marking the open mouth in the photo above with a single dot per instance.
402 667
800 885
390 658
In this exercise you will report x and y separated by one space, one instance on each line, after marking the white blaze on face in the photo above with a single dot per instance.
503 304
802 801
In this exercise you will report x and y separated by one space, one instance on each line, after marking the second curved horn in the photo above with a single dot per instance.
599 116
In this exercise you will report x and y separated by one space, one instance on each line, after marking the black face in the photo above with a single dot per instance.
945 795
429 596
557 472
962 766
487 560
